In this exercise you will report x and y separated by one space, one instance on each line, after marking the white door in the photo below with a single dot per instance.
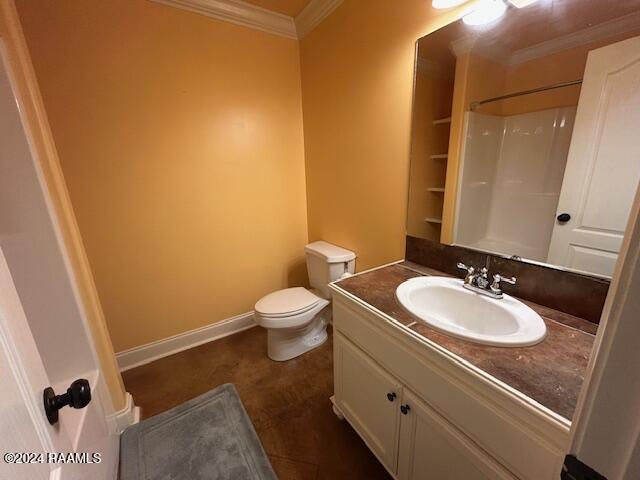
432 449
22 380
369 398
603 166
606 426
29 444
43 333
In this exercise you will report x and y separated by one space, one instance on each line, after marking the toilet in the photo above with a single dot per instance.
296 318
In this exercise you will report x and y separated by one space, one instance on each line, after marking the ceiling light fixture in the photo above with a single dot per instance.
447 3
522 3
485 12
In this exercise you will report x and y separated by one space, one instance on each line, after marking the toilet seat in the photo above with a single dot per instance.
286 303
288 314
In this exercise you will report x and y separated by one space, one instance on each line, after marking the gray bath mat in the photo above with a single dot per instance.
209 437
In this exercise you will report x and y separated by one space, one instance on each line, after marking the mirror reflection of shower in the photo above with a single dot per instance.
512 168
507 153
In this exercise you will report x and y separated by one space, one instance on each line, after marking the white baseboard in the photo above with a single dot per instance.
129 415
134 357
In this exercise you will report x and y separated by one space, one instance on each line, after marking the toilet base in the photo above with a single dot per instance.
285 344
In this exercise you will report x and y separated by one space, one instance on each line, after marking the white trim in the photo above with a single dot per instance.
314 13
136 356
617 26
127 416
258 18
372 269
240 13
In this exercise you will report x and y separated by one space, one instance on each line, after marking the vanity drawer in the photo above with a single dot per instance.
523 440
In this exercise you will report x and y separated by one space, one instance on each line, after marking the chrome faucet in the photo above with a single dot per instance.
479 281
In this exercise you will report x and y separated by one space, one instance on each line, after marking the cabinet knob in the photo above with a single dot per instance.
391 396
405 409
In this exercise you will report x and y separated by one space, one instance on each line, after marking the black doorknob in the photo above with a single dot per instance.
78 396
563 217
405 409
391 396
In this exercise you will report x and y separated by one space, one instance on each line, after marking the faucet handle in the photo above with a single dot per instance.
511 280
462 266
497 278
468 279
495 286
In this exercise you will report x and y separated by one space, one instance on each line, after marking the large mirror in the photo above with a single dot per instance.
507 155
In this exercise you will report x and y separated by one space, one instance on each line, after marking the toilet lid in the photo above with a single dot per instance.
289 300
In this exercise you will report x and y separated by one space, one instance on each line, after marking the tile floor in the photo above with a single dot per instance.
288 403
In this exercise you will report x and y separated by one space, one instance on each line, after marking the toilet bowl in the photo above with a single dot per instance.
296 318
293 322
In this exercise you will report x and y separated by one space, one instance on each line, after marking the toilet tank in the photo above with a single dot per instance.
326 263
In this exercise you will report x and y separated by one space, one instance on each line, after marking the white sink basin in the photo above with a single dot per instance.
443 304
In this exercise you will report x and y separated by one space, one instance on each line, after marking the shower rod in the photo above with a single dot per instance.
475 105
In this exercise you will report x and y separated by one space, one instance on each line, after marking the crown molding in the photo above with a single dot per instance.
473 43
601 31
314 13
251 16
239 13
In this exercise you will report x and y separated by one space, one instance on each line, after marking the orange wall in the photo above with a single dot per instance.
559 67
357 85
181 142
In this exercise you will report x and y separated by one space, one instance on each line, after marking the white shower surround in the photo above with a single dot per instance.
511 175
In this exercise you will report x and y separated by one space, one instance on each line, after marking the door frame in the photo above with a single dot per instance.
117 402
605 433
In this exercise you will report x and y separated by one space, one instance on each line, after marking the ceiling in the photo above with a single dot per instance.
554 18
522 28
290 8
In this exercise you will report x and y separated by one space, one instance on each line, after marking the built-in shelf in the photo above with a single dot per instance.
436 189
442 121
433 220
440 156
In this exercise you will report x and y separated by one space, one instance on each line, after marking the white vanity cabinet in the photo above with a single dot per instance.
369 397
431 448
407 436
426 417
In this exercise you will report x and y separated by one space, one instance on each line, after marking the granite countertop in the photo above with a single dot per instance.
551 372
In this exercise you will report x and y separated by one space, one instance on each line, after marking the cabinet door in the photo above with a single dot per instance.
433 449
369 398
